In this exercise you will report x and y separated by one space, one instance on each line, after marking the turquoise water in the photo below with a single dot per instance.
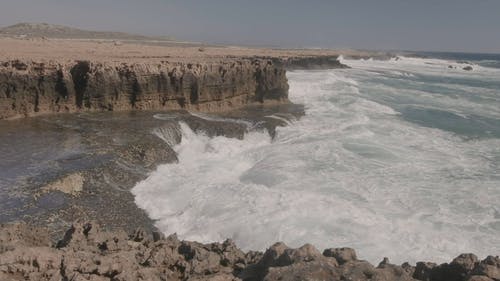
465 103
397 158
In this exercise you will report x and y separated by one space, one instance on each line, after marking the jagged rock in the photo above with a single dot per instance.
230 255
408 268
280 255
200 259
253 257
88 236
457 270
280 262
342 255
88 253
302 271
361 270
466 261
388 271
489 267
307 263
306 253
30 262
272 255
423 271
468 68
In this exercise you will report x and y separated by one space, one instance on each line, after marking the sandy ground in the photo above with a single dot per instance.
139 52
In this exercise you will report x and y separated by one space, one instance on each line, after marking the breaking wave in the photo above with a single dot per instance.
393 158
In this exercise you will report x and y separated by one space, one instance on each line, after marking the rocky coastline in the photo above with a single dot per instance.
92 78
85 252
75 218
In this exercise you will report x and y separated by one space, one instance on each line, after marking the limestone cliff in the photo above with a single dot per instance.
29 88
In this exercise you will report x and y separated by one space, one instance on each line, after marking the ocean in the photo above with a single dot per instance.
396 158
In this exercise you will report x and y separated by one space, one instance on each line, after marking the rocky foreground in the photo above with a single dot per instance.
87 253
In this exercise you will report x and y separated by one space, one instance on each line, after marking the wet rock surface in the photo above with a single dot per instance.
61 168
86 252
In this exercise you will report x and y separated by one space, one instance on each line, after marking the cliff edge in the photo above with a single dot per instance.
31 88
40 76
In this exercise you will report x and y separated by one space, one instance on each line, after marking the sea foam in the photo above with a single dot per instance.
354 171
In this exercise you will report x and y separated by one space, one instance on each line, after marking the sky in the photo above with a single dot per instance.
421 25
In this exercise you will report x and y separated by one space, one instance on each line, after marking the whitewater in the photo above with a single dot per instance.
396 158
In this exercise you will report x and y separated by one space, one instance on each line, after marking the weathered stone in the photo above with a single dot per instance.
306 253
20 234
272 255
71 184
88 253
489 267
30 88
342 255
201 260
465 261
423 271
458 269
303 271
388 271
282 263
408 268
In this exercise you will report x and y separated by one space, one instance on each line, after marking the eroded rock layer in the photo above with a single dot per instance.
29 88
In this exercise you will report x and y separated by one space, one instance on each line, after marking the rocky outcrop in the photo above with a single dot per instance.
29 88
87 253
313 62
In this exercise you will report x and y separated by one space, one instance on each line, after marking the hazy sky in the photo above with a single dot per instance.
439 25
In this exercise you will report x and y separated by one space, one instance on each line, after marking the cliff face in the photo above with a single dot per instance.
31 88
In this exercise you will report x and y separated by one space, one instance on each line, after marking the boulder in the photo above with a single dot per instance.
423 271
342 255
489 267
